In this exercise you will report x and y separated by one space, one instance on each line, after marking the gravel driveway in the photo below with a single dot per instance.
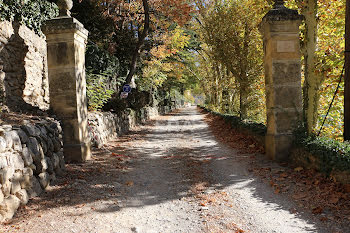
170 176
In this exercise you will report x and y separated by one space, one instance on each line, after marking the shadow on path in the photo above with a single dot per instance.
164 161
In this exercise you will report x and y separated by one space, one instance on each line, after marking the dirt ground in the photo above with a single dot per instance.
171 175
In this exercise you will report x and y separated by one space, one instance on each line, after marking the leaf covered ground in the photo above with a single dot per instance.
172 175
327 199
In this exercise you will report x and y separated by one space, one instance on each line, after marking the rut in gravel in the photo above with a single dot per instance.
169 176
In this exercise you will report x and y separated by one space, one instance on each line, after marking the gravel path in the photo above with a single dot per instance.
171 176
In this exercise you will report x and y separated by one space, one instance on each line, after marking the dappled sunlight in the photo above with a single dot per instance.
150 169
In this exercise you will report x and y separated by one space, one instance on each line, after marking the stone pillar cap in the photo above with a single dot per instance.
282 13
65 6
63 24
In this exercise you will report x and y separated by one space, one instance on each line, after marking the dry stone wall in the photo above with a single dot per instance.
31 156
105 125
23 68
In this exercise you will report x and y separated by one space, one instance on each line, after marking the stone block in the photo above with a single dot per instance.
16 161
17 145
62 162
56 144
15 186
278 147
52 177
287 121
287 97
55 161
50 146
43 131
286 72
77 153
43 146
27 156
31 130
44 179
6 188
33 146
9 206
1 196
35 188
22 195
3 160
23 136
3 144
6 174
26 181
8 139
49 165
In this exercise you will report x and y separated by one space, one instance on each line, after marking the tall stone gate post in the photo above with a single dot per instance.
66 43
280 30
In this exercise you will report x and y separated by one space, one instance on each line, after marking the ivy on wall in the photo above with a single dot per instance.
32 13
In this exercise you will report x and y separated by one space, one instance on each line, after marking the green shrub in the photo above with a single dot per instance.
32 13
236 122
97 91
102 76
332 154
99 61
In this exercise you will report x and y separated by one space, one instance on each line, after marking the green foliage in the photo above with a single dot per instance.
106 32
97 91
32 13
91 15
256 128
102 76
99 61
231 56
332 154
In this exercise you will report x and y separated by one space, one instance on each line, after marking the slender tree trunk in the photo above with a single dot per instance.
312 82
141 41
217 93
347 75
243 99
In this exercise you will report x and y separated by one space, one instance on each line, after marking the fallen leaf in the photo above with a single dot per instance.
293 210
298 169
129 183
347 188
299 196
203 204
334 200
317 210
283 175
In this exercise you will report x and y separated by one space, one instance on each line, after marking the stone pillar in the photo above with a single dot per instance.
66 43
282 61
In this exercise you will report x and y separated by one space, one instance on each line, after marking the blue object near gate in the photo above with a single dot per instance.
127 88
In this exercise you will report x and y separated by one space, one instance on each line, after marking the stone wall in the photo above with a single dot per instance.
31 156
23 68
105 125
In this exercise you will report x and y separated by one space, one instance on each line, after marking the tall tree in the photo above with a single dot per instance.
312 82
230 30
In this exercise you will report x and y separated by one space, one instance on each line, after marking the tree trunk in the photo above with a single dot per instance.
312 82
347 75
243 97
141 41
